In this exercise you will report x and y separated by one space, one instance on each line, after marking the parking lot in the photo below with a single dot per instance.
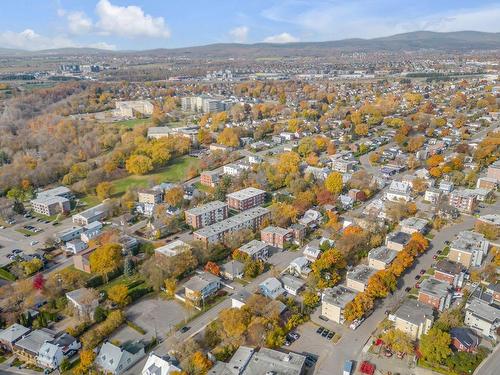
154 315
28 235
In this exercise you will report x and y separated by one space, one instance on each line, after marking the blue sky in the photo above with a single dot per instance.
143 24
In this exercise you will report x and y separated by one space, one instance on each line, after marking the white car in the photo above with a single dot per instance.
33 243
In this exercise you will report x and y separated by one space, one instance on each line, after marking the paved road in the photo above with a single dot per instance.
491 365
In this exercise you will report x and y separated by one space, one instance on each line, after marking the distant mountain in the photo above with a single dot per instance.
460 41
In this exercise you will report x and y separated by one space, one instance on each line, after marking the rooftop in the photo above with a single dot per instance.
338 295
399 237
173 248
482 310
245 193
208 207
361 273
382 254
414 223
414 312
435 287
253 247
448 266
200 281
269 361
276 230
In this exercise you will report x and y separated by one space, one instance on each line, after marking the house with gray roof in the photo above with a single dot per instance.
116 360
482 317
11 334
334 301
358 277
413 318
160 365
201 286
381 257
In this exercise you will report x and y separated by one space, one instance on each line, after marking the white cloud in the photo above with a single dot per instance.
30 40
79 23
239 34
281 38
129 21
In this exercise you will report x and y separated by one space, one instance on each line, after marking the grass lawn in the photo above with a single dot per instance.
6 275
134 122
174 172
25 231
90 200
126 280
201 187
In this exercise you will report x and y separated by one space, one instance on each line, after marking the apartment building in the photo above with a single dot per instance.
358 277
276 236
449 272
334 301
201 286
397 240
381 257
150 196
246 198
432 195
256 249
133 108
52 201
414 225
482 317
435 293
97 213
468 249
413 318
251 219
207 214
464 200
494 171
210 178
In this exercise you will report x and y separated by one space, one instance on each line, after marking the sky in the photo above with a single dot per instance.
146 24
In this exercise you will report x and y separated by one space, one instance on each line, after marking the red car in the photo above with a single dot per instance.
417 285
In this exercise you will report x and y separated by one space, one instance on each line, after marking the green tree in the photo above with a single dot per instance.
435 345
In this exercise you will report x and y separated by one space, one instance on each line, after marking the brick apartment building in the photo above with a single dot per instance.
435 293
245 199
209 178
464 200
276 236
206 214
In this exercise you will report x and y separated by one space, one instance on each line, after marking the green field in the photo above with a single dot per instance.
174 172
90 200
134 122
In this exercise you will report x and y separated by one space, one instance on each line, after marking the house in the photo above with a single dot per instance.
491 219
494 171
81 261
173 248
446 187
91 231
10 335
232 270
69 234
97 213
201 286
464 339
357 195
344 166
381 257
414 225
207 214
450 272
292 284
319 174
156 365
28 347
75 246
413 318
236 365
116 360
468 248
311 251
50 356
310 219
276 236
334 301
299 267
346 202
239 299
433 195
464 200
487 183
399 191
251 219
83 302
210 178
256 249
482 317
271 287
66 342
397 240
150 196
358 277
435 293
246 198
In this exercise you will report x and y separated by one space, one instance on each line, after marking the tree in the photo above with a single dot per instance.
128 266
201 363
398 341
361 129
119 294
104 190
106 259
333 183
283 214
38 281
213 268
175 196
435 345
229 137
139 164
234 322
32 266
170 287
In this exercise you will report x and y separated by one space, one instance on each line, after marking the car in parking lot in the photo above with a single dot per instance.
417 277
417 285
325 333
422 271
16 251
294 335
407 289
320 330
330 335
33 243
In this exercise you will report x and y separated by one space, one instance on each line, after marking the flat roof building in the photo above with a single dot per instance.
334 301
358 277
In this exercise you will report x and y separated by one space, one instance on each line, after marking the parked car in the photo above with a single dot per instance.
422 271
320 330
417 277
185 329
325 333
330 335
407 289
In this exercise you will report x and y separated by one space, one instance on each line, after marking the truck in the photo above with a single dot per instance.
348 365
